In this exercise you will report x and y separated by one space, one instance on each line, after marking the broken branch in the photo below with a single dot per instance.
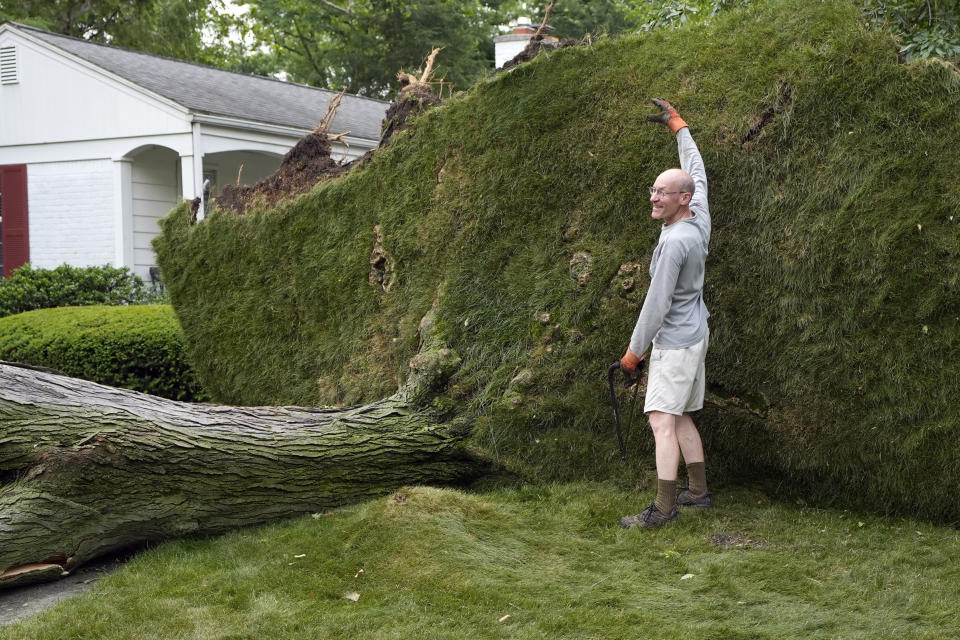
543 24
331 111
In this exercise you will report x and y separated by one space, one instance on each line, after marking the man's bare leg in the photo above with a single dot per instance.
689 439
668 458
664 426
691 446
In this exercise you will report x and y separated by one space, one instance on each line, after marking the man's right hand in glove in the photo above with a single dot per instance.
668 116
629 363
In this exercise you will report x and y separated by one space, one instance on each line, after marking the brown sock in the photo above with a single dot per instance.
666 495
697 476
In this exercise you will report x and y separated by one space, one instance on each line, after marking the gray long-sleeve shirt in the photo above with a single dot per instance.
674 315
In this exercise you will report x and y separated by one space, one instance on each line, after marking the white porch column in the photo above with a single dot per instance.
123 212
191 169
187 179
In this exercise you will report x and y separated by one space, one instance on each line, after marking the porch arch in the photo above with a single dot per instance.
148 184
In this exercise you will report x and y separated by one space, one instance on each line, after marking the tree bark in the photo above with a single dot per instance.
87 469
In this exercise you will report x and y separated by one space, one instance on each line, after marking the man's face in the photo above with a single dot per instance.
667 199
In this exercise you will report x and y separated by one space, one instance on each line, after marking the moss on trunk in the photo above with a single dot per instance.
88 469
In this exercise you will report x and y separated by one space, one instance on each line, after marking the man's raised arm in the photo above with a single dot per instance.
690 159
692 163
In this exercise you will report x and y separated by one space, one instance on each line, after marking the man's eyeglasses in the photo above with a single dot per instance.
661 192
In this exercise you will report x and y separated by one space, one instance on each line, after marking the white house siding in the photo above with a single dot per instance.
60 100
506 47
71 213
155 191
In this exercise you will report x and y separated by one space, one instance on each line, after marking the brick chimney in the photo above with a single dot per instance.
508 45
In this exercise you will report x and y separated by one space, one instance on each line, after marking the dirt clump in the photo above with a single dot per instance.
418 99
540 42
306 164
310 161
382 273
736 540
537 44
581 266
416 96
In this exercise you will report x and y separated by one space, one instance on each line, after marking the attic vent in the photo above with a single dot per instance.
8 65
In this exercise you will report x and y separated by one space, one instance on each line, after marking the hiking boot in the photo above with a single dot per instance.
687 499
651 517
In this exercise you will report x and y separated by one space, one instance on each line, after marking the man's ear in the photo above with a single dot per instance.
685 198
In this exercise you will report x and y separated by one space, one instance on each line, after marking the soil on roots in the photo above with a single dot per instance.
538 44
306 164
309 161
410 104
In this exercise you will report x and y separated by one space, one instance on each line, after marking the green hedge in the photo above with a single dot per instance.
28 288
136 347
832 280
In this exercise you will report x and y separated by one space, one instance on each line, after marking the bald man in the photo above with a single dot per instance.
674 321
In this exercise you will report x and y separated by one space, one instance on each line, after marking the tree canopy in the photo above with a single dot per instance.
925 28
362 44
172 28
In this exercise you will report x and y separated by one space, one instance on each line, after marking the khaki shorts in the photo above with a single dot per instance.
676 379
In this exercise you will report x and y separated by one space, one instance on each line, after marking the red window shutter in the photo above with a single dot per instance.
13 208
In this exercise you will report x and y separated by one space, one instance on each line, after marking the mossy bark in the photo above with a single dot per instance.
87 469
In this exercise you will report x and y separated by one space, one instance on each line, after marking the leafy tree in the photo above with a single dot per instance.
924 28
362 44
653 14
168 27
577 18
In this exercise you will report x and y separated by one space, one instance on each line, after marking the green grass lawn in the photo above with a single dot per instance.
534 562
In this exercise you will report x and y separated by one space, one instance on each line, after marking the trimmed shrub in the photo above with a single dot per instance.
137 347
28 288
520 208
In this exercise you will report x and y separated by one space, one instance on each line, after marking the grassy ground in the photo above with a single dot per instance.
534 562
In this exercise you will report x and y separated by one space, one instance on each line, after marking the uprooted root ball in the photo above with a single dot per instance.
307 163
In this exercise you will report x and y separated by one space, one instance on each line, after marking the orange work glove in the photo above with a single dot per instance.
668 116
629 362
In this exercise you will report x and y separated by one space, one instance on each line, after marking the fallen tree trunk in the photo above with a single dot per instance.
87 469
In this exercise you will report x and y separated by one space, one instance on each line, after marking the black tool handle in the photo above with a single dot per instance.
611 373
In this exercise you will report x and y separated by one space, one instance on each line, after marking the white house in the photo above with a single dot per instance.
508 45
98 142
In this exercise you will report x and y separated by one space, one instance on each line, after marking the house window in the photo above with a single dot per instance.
8 65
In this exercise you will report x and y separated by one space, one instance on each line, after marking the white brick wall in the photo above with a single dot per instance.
70 208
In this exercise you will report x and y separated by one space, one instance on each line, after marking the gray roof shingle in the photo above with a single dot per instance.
214 91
